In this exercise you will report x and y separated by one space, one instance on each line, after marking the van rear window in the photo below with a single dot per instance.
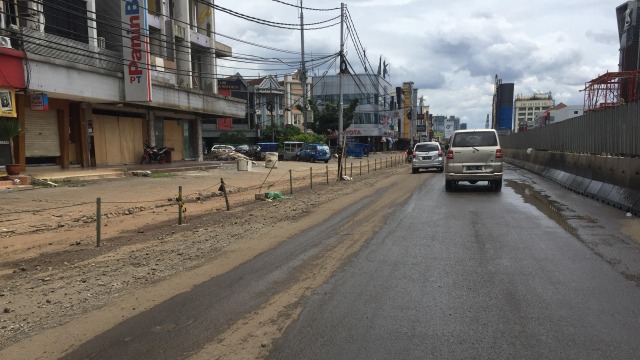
469 139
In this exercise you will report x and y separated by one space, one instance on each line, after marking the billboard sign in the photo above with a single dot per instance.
230 84
449 127
135 50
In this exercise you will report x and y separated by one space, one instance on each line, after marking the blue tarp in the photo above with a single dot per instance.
357 150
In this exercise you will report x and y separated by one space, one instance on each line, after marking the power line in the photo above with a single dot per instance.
305 8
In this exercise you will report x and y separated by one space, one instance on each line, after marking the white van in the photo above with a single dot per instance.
472 156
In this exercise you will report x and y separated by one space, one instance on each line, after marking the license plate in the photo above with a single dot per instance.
474 168
426 158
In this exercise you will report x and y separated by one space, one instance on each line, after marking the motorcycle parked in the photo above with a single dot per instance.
153 154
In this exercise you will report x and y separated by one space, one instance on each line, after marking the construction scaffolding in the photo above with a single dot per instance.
611 89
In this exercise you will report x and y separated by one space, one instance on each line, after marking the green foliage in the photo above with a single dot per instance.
290 133
233 138
159 175
9 128
327 120
310 138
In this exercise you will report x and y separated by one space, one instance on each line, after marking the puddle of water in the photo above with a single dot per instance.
564 217
552 209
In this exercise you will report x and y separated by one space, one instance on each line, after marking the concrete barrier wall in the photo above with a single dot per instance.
611 180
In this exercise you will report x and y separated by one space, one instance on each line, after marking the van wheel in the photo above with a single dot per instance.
448 185
440 170
415 170
496 185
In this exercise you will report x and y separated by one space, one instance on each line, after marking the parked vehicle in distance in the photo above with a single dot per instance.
223 147
427 155
314 152
248 150
472 156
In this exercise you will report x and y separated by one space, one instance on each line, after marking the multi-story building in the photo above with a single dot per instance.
267 105
103 77
294 100
373 123
558 113
526 108
502 108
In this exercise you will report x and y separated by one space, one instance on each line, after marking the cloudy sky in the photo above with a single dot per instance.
451 50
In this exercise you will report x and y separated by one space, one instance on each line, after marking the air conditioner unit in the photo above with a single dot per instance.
179 31
158 62
5 42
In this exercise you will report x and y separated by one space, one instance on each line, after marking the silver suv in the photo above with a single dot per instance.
427 155
472 156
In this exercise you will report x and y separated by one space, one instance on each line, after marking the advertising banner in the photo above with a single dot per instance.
135 50
8 100
449 127
39 102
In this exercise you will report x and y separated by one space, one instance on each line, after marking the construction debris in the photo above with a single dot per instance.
224 155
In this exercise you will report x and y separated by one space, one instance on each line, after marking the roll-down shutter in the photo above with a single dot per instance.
42 137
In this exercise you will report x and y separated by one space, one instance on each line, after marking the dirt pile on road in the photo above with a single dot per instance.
55 273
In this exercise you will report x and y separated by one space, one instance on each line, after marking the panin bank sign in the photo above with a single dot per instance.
135 50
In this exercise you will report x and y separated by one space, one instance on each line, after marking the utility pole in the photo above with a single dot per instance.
343 67
303 74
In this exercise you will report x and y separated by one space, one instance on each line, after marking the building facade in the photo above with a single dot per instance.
526 108
502 107
104 77
558 113
374 122
294 103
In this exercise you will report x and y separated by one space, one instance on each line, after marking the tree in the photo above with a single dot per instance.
237 138
9 129
327 120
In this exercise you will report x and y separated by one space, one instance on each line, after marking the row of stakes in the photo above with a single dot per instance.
394 161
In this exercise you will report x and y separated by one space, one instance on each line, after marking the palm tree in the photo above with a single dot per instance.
9 129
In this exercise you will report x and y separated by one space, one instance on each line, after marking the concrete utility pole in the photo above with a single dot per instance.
343 67
303 74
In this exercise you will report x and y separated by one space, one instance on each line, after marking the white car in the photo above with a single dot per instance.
223 147
427 155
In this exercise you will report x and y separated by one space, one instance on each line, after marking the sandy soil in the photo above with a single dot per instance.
55 280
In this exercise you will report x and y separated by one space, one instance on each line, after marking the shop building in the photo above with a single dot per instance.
374 123
104 77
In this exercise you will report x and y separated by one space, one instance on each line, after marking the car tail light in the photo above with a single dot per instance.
498 153
449 154
414 155
439 153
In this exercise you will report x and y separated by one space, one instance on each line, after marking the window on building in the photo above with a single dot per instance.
66 18
155 6
155 42
198 55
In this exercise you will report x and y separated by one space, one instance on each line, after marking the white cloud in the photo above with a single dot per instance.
452 50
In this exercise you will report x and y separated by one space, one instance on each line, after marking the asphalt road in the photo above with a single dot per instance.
533 272
530 272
